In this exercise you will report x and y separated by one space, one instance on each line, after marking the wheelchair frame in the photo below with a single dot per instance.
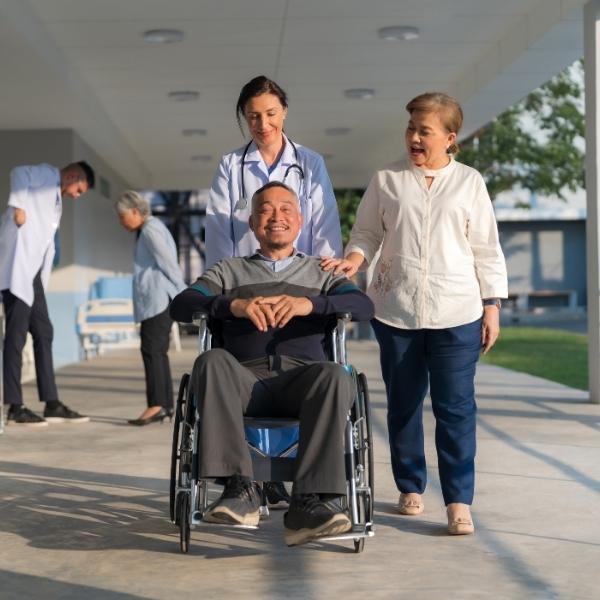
188 494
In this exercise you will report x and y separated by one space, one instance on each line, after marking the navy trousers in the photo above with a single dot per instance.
34 319
444 360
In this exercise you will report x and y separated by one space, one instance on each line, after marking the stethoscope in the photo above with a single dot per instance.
243 201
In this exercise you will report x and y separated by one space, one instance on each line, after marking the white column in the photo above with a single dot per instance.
591 37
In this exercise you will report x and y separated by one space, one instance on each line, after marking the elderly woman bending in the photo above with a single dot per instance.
157 279
436 289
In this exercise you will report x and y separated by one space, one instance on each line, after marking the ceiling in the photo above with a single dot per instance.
83 64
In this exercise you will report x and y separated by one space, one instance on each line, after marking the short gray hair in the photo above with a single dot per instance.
273 184
130 199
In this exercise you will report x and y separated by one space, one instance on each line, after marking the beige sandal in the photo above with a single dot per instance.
460 525
410 506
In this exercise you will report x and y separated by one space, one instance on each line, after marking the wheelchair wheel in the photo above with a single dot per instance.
184 522
367 450
179 412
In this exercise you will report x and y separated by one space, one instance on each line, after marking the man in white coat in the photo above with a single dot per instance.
27 232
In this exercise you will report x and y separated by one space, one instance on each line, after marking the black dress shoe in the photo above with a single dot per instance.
161 415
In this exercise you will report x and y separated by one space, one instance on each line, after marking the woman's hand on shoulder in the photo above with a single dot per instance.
348 266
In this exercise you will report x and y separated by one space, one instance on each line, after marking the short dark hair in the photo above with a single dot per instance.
90 176
273 184
257 87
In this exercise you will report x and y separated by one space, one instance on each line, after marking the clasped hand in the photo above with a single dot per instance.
271 311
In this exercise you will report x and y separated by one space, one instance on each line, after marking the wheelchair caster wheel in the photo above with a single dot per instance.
359 545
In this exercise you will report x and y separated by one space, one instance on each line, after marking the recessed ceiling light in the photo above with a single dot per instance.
359 93
399 32
183 95
337 130
163 36
201 158
192 132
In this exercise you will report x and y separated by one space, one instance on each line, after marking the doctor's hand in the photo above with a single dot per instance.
20 217
348 266
283 308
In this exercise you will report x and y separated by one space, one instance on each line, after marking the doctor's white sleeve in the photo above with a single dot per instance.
326 232
218 226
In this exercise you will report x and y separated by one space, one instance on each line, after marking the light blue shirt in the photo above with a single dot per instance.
277 265
227 231
157 277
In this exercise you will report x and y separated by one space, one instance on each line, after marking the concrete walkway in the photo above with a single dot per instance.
83 508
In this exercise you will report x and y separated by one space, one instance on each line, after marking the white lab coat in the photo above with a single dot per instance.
27 249
227 230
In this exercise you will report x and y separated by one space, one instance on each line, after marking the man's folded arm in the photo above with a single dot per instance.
200 297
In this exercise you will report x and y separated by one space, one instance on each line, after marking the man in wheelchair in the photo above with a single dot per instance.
273 308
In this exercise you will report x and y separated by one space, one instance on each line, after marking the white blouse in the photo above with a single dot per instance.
440 253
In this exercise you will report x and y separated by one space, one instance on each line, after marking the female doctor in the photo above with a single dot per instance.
269 156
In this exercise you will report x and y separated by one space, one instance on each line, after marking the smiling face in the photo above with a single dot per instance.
264 115
428 140
276 220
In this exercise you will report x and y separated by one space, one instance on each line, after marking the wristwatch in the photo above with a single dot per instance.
492 302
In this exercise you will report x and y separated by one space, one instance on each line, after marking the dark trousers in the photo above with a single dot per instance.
319 394
445 359
34 319
154 334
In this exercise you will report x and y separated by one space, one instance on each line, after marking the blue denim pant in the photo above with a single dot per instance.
444 360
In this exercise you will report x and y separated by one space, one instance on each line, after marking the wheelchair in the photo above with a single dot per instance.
189 494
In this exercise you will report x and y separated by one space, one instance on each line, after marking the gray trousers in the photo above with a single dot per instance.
319 394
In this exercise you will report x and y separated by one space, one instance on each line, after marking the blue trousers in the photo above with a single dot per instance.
444 360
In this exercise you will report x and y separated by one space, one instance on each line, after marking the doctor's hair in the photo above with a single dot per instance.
130 199
272 184
85 169
257 87
447 107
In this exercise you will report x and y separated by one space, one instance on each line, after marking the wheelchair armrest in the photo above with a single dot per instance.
199 316
200 319
337 335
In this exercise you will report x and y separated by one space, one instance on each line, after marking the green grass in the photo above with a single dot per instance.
556 355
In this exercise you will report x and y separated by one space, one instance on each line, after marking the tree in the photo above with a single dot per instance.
348 200
537 144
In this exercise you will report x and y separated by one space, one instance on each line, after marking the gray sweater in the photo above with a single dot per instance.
302 337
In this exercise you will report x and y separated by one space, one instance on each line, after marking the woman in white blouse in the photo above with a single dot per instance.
436 287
